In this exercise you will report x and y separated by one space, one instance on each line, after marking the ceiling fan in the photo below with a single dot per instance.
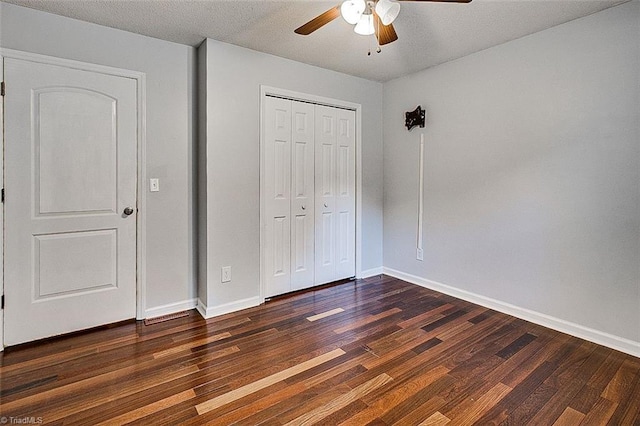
368 16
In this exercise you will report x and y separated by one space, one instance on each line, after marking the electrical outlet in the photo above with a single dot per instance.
419 254
226 274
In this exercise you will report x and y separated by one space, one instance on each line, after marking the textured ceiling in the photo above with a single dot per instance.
429 33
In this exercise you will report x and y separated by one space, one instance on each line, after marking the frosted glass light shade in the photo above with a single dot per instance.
352 10
365 25
387 10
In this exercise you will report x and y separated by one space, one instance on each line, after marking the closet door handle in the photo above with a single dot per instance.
325 204
304 208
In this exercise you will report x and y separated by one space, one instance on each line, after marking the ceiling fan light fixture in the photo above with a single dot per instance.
352 10
365 25
387 10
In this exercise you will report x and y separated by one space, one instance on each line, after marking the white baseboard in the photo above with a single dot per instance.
1 330
238 305
371 272
609 340
170 308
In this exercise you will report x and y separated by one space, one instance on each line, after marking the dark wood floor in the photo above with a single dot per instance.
377 351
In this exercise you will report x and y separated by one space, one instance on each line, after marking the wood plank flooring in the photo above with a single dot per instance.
377 351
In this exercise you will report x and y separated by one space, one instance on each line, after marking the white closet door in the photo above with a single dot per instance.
345 199
277 192
325 229
335 194
302 199
309 190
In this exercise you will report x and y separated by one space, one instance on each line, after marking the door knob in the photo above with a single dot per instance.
325 204
128 211
304 208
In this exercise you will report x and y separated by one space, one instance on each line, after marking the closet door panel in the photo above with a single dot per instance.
277 145
345 200
325 180
303 196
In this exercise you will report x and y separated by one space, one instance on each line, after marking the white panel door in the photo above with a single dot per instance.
303 197
345 199
277 193
70 173
325 171
335 194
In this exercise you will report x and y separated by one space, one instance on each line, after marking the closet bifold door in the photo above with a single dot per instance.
277 192
345 202
309 190
289 189
302 195
335 194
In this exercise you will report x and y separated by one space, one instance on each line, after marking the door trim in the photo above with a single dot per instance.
141 217
319 100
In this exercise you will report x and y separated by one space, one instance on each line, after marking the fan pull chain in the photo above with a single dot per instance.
376 25
378 48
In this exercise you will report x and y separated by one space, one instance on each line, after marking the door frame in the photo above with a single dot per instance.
141 195
319 100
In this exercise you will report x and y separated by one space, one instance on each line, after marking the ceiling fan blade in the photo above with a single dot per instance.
384 33
318 21
443 1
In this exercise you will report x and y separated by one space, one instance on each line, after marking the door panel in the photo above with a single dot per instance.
327 166
90 260
303 200
277 174
300 189
300 263
70 170
343 171
327 232
280 166
342 237
61 151
280 246
326 140
345 200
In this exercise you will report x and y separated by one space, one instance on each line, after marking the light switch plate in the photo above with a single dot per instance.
419 254
154 185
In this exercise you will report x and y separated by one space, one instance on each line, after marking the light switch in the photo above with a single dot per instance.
154 185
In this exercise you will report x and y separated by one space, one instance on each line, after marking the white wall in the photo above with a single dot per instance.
532 176
201 176
233 80
170 71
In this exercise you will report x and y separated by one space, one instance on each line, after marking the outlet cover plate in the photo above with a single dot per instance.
226 274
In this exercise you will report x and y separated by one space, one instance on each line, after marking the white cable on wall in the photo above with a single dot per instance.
419 251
